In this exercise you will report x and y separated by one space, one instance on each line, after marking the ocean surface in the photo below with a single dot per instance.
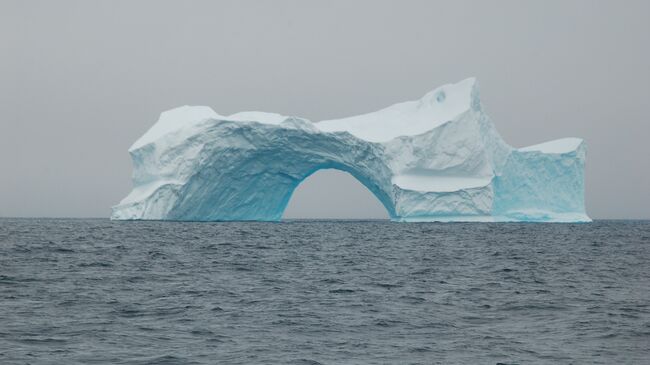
323 292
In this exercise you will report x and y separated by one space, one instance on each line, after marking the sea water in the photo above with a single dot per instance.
323 292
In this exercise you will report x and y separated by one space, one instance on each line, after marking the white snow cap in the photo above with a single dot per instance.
409 118
172 120
558 146
403 119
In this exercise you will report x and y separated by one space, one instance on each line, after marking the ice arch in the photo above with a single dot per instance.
331 193
439 158
236 170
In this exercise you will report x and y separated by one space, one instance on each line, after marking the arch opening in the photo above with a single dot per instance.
333 193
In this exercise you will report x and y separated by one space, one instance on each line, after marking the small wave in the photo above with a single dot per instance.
305 362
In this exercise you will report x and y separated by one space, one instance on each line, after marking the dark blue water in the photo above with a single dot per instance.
323 292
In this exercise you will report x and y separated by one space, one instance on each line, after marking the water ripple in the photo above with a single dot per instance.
323 292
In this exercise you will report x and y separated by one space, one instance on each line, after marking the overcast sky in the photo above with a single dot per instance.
80 81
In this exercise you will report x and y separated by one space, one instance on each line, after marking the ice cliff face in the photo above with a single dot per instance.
435 159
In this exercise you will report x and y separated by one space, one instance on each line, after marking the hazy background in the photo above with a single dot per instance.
82 80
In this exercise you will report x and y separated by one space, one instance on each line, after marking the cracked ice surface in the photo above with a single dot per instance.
439 158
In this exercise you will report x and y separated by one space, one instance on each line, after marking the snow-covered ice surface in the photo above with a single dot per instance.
439 158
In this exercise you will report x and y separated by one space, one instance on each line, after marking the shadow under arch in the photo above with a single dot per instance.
376 191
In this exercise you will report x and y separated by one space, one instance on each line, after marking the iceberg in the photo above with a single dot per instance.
439 158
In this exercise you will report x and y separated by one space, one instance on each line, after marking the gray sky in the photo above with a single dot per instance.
80 81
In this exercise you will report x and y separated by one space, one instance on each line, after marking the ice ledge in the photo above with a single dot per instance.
423 183
558 146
